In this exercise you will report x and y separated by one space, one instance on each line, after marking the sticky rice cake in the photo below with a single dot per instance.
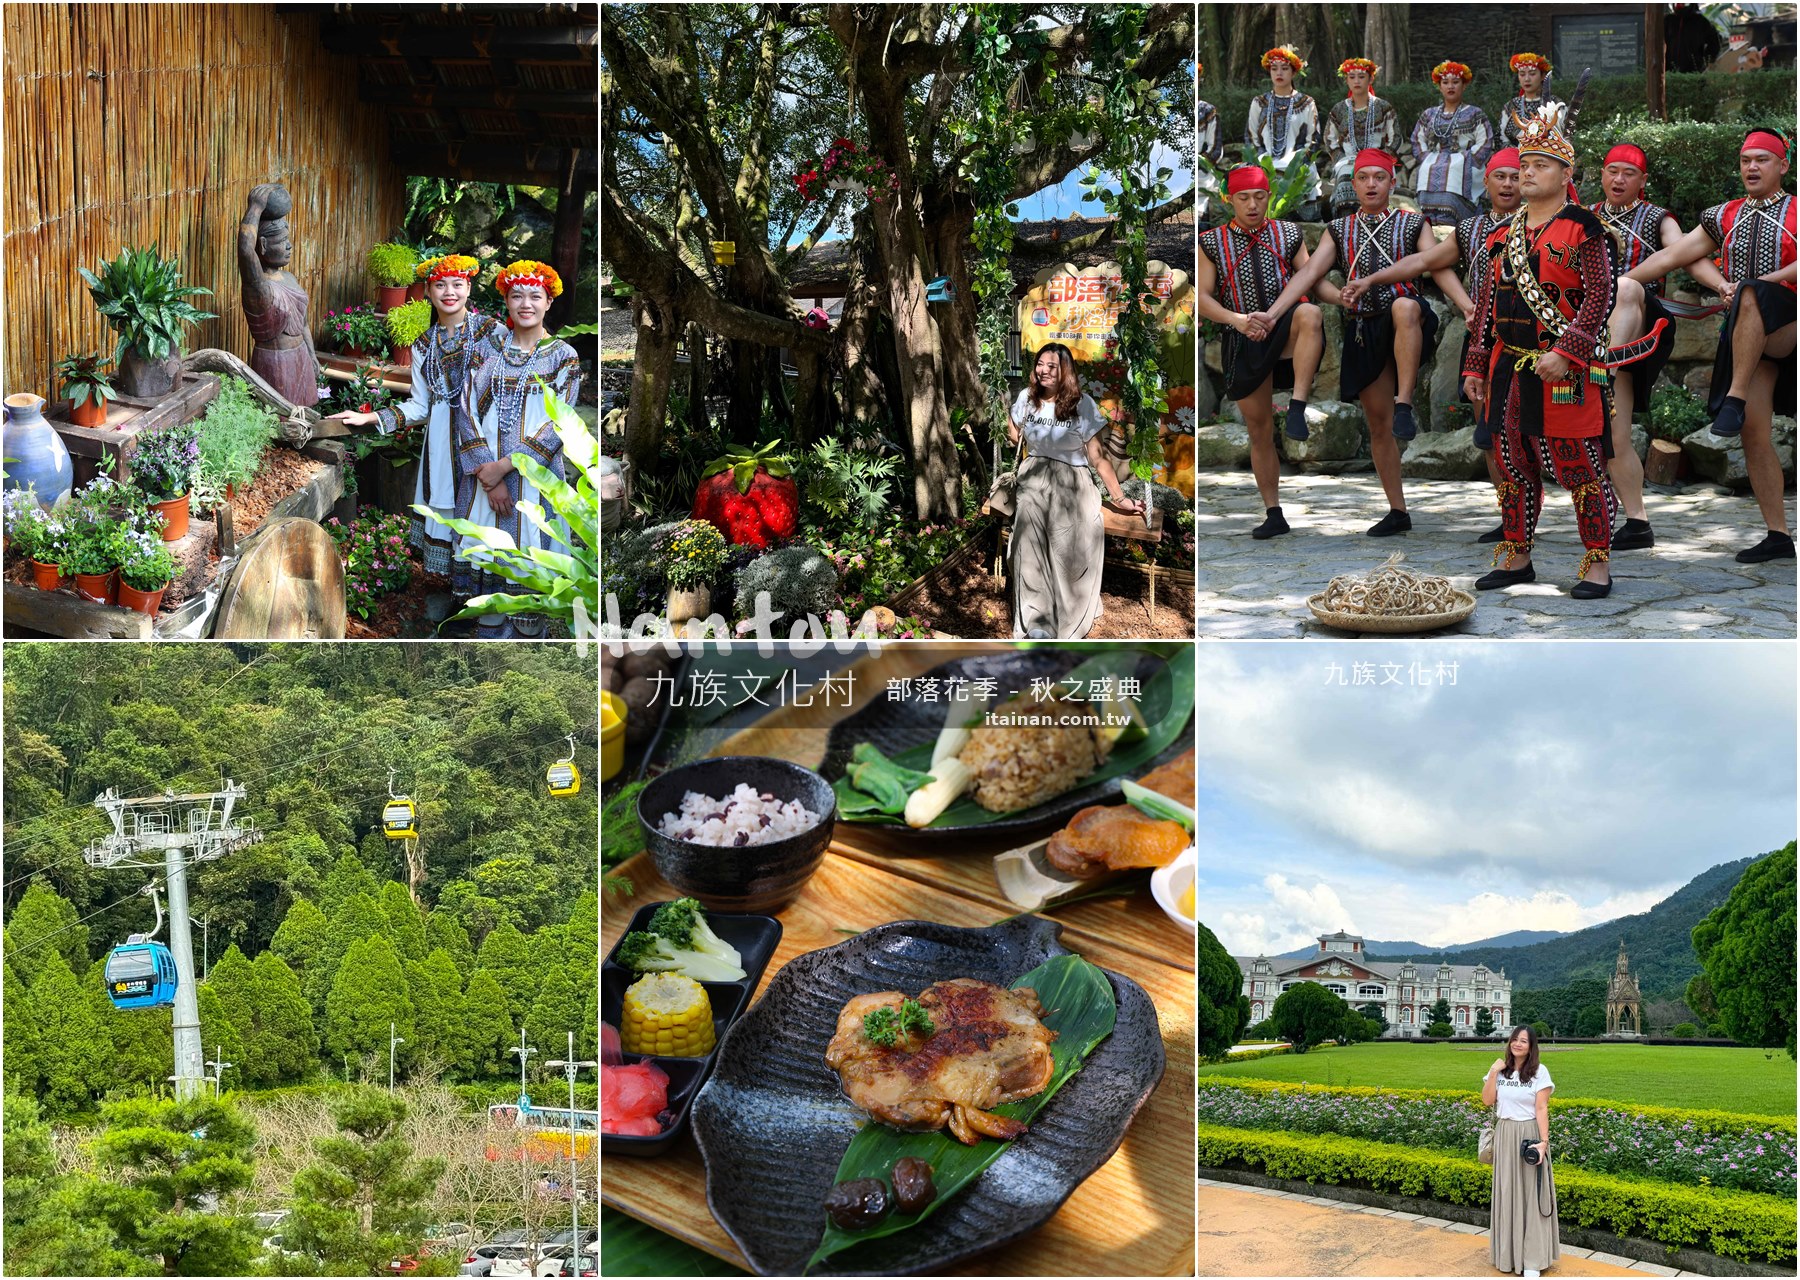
1032 749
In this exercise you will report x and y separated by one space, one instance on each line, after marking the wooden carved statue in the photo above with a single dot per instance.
274 302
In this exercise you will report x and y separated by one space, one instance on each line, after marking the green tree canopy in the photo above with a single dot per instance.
1747 948
1223 1010
1307 1014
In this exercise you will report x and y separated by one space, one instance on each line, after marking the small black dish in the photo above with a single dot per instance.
752 877
773 1121
755 938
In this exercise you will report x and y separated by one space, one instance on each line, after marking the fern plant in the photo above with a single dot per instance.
234 432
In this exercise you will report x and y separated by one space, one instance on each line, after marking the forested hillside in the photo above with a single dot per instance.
319 936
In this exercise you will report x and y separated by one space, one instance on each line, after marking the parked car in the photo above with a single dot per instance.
447 1238
556 1262
499 1260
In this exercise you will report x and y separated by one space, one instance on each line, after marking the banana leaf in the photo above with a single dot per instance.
1079 1007
1126 759
633 1248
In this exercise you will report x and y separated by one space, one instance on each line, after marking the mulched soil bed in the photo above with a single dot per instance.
401 615
975 605
282 471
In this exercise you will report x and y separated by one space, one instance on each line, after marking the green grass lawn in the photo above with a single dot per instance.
1658 1075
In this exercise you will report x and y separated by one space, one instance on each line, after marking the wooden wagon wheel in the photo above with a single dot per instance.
288 585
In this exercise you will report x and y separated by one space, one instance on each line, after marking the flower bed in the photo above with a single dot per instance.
1732 1224
1701 1148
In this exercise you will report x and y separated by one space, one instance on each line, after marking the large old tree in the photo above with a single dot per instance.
709 113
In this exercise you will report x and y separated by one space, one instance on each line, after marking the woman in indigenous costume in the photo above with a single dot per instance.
440 370
1357 123
1451 143
1058 535
1533 101
1283 123
504 413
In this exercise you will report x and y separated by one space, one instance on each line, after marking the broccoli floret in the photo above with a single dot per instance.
652 953
684 925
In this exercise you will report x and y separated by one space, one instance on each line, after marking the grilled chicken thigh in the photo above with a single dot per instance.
987 1047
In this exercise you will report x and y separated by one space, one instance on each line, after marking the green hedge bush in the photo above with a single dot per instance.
1704 1121
1731 1224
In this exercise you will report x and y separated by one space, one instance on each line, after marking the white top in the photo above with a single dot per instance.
1518 1099
1045 436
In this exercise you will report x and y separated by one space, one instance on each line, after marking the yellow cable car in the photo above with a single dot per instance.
563 778
399 820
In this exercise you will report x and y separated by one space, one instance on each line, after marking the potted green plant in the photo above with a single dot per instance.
145 571
694 555
143 298
37 535
234 432
391 269
406 324
85 382
94 541
363 331
163 469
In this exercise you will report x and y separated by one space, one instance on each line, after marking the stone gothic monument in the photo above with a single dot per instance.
1624 1003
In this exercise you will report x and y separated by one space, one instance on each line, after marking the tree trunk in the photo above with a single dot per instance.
1212 49
814 414
1385 41
651 370
744 416
1655 62
864 395
699 375
937 475
956 320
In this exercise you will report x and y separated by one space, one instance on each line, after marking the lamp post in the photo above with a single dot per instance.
393 1040
571 1067
218 1064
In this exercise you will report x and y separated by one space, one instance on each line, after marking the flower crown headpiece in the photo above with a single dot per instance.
527 271
450 264
1452 68
1286 53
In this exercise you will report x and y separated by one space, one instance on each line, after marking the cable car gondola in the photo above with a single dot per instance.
140 973
399 821
563 778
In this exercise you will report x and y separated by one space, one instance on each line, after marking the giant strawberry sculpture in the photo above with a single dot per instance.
751 497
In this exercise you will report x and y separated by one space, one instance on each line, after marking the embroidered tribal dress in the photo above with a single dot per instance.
1349 131
1636 233
503 413
440 370
1286 130
1519 112
1367 243
1253 269
1211 145
1754 237
1451 149
1547 288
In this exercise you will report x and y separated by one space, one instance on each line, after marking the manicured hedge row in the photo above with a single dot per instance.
1705 1121
1254 1054
1731 1224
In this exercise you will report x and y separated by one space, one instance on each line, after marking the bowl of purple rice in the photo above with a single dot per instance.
740 833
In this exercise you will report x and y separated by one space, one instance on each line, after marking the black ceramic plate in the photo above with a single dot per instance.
894 727
755 938
773 1122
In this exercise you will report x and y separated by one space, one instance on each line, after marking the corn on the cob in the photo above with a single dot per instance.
667 1014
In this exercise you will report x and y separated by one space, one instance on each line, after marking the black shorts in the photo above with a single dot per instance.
1369 348
1248 363
1776 303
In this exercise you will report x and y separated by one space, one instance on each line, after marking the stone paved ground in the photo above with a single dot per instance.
1687 585
1251 1231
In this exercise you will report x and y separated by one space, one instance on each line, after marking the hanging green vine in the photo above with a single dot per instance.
990 170
1130 109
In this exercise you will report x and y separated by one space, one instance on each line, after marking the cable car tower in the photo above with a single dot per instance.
173 832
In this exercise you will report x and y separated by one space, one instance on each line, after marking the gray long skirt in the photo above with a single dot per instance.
1058 543
1523 1236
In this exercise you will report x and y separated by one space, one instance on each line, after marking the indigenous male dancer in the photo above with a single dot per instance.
1390 331
1354 125
1451 143
1533 101
1466 252
1241 270
1537 358
1754 369
1284 124
1638 229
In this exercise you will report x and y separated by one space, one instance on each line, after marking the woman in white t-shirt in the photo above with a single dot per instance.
1522 1228
1058 537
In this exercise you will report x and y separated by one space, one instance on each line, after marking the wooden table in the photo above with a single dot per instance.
1133 1217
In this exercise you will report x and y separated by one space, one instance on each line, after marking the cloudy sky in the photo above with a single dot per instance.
1554 786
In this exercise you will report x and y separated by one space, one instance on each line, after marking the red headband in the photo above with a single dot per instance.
1249 177
1506 158
1625 153
1374 157
1762 140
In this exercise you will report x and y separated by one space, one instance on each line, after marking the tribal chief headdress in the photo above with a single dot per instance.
1285 53
1452 68
1541 138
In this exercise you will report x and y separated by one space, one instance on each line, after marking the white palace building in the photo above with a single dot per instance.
1405 992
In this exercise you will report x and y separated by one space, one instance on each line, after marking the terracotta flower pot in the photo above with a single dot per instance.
47 576
143 601
90 413
402 358
175 517
354 352
101 588
389 296
415 291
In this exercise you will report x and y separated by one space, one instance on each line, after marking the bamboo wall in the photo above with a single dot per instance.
141 123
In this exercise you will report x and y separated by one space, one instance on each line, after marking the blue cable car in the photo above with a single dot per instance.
140 975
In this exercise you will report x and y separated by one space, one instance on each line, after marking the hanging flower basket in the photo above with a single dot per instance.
847 167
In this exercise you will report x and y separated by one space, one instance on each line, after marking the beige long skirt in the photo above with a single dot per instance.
1523 1233
1058 544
